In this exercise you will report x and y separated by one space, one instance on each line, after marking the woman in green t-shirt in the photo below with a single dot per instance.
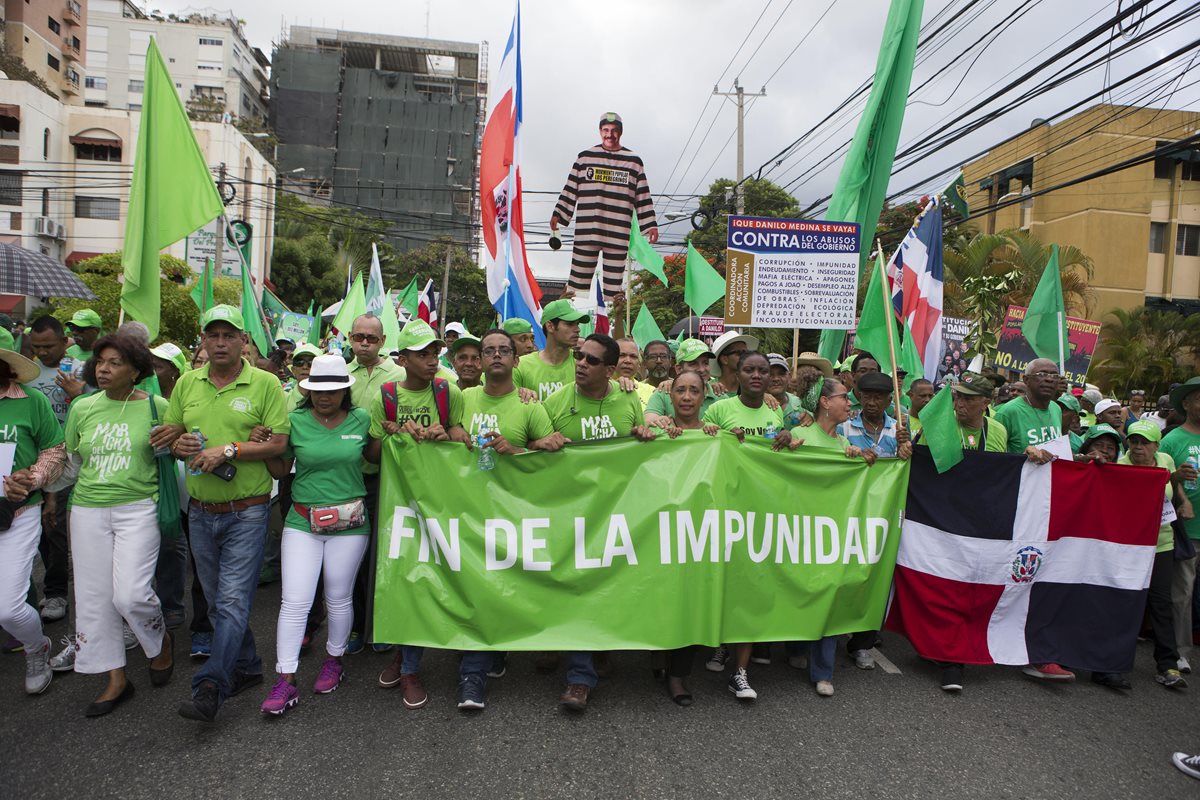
325 530
114 520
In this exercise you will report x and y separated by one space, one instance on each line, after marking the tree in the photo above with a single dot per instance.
467 297
1147 349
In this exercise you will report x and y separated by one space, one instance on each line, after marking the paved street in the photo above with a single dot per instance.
882 735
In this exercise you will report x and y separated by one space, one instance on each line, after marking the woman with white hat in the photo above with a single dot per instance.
32 438
325 530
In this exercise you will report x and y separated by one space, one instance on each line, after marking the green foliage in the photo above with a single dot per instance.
180 320
12 66
1147 350
763 199
467 296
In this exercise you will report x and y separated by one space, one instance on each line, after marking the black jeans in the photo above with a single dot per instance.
54 548
1158 603
679 662
364 583
864 640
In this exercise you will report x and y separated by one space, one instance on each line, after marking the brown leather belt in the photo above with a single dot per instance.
230 506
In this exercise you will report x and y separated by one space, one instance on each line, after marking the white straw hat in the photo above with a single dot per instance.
328 374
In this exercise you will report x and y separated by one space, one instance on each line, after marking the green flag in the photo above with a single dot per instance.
253 316
641 252
202 290
910 359
353 307
956 195
872 334
645 329
1045 325
171 195
314 328
702 285
410 298
939 430
862 183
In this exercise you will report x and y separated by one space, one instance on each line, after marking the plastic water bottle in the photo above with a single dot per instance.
196 432
67 366
485 456
335 347
771 432
1190 486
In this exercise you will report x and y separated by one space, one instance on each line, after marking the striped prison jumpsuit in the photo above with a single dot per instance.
603 192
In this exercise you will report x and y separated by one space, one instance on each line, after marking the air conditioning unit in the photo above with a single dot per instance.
60 232
44 226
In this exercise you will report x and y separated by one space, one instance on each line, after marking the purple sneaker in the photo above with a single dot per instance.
329 678
282 697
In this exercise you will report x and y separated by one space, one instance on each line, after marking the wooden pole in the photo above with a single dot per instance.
891 334
795 353
628 293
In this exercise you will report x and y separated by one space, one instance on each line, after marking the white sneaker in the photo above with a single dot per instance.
1188 765
863 659
1183 666
798 662
739 684
37 668
64 661
716 662
130 640
825 688
53 608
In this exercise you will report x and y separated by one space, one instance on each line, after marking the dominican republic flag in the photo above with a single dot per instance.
915 274
427 304
600 321
512 288
1003 561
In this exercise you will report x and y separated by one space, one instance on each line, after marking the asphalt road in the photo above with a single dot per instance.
881 736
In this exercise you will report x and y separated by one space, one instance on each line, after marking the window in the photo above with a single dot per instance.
96 103
208 66
97 207
45 144
1158 237
10 188
75 43
10 128
53 25
135 106
95 82
137 86
45 202
1187 242
210 41
52 62
98 152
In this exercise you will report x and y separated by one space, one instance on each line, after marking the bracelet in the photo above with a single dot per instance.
237 451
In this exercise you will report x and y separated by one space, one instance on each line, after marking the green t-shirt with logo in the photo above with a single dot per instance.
112 439
327 463
419 405
228 415
1184 447
536 375
582 419
28 423
815 436
732 413
519 423
1027 425
78 353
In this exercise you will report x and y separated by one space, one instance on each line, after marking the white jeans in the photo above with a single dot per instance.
113 553
305 557
18 546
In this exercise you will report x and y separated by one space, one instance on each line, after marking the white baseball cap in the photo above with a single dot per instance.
456 327
1105 405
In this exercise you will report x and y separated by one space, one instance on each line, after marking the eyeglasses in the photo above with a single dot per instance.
659 357
369 338
1043 375
734 352
591 359
488 352
839 394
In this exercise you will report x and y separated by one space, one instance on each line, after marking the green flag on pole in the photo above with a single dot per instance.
910 359
956 195
641 252
253 316
202 290
410 298
872 334
939 430
645 329
702 285
314 328
1045 325
353 307
862 183
171 195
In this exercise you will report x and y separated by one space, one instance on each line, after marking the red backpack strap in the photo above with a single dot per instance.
390 402
441 396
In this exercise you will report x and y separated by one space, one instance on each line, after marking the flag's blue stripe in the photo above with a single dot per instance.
977 498
1083 626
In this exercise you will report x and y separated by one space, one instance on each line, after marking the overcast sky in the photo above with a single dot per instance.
655 62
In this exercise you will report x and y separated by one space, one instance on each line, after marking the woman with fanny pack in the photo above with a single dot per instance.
325 531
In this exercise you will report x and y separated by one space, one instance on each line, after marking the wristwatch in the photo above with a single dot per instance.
230 452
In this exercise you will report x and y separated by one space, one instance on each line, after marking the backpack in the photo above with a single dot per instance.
441 398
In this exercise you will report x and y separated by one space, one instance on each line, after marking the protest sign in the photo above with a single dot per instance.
791 273
711 329
293 326
954 348
632 545
201 245
1014 352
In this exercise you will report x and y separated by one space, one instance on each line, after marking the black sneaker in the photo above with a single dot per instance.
470 693
499 665
952 678
243 680
203 705
1111 680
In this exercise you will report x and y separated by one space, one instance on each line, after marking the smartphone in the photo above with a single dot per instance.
225 471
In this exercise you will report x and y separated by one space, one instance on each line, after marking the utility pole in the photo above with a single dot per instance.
445 291
220 242
740 93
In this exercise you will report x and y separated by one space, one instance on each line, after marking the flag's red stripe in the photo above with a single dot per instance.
1110 502
945 620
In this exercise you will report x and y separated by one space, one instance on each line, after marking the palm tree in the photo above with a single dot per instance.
1143 349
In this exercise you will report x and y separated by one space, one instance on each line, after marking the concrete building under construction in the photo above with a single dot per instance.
388 126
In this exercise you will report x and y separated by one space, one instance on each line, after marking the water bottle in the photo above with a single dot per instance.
335 347
1190 486
67 366
196 432
485 456
771 432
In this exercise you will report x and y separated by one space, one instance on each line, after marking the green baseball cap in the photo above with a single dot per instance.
1103 429
416 336
1070 402
462 341
85 318
975 384
562 309
307 349
223 313
170 352
1145 429
690 350
516 325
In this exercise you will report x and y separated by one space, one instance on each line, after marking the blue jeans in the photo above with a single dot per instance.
228 552
410 659
475 662
580 669
821 656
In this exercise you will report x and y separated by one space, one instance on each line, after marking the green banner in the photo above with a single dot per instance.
629 545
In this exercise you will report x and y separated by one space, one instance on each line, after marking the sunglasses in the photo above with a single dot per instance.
595 361
369 338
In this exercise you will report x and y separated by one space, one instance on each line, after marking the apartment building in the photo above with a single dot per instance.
50 37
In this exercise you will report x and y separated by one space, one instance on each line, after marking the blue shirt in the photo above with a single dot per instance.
883 443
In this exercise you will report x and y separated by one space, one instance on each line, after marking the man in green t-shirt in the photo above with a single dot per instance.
593 406
513 425
629 367
467 361
920 392
522 333
551 369
1034 418
85 328
1183 445
230 490
972 394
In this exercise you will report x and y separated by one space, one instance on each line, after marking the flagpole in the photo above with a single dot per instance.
891 333
795 353
628 292
1062 359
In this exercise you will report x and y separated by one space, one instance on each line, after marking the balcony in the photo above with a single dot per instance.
73 13
71 52
70 83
